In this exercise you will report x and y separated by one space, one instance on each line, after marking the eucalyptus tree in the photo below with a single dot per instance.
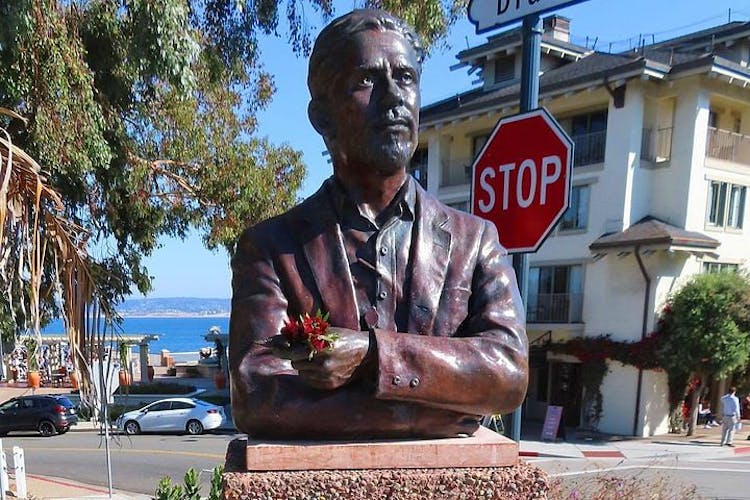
142 115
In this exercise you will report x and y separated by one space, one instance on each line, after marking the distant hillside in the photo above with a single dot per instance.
175 306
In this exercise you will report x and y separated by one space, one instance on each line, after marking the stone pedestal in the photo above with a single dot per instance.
484 466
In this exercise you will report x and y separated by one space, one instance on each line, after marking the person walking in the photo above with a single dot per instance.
730 407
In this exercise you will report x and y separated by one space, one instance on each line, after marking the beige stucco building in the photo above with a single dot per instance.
660 181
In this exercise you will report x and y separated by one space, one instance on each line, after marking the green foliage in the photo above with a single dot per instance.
215 399
192 487
122 353
431 18
707 326
592 376
168 491
114 411
159 388
143 114
217 484
32 352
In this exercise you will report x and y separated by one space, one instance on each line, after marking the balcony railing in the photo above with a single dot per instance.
590 148
656 144
456 172
555 308
729 146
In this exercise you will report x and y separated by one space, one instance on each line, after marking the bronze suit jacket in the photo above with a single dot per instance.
464 355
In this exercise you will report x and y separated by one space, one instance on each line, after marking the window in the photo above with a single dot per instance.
726 205
577 214
589 132
719 267
555 294
505 69
477 143
418 166
181 405
13 404
161 406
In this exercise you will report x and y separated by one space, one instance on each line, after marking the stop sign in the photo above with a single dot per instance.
521 179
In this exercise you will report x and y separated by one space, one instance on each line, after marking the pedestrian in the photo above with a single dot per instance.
730 407
707 416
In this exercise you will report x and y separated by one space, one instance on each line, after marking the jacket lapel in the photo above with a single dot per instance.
432 243
321 240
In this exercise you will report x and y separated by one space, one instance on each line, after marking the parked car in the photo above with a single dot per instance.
192 416
48 414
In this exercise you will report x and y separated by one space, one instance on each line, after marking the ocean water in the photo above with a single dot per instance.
175 334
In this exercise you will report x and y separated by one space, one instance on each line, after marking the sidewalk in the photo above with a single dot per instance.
46 487
704 443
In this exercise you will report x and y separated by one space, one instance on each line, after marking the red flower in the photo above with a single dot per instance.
293 331
310 330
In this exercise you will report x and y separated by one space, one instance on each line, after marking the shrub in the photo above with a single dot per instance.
159 388
114 411
215 399
166 490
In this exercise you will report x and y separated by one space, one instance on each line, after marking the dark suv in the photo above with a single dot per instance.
46 414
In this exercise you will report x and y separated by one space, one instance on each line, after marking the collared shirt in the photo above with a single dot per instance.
378 254
730 404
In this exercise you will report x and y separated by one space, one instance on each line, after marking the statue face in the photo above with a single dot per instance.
373 105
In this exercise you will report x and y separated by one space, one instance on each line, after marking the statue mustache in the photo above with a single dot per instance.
396 116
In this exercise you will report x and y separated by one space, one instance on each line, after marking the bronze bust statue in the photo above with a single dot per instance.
430 324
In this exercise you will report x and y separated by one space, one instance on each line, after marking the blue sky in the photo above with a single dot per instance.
187 269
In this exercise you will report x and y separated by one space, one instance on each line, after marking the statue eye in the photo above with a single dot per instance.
365 80
405 77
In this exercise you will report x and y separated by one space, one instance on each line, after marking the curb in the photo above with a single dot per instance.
537 454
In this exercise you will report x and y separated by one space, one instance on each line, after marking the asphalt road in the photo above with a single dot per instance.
726 478
138 462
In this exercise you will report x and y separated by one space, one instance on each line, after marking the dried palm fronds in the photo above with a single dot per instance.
35 237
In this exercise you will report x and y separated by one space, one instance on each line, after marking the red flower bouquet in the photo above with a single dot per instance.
311 331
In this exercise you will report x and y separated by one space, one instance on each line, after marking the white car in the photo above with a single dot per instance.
188 415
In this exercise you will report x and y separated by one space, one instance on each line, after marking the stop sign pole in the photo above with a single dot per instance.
529 100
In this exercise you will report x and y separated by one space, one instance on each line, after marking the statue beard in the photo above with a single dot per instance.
390 157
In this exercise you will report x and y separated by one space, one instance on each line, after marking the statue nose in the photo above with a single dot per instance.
392 93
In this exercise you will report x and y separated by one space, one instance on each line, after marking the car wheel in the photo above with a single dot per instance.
194 428
132 427
47 428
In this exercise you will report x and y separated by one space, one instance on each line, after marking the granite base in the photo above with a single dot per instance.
519 482
484 466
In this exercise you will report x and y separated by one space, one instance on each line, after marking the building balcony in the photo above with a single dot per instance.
656 144
554 308
456 172
589 148
728 146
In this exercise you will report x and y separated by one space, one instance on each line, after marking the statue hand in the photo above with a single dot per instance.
334 368
281 348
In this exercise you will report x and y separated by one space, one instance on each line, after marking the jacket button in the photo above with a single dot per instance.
414 382
396 380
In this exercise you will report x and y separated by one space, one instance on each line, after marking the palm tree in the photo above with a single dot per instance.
43 254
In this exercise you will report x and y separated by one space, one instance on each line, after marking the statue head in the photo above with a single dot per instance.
363 78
